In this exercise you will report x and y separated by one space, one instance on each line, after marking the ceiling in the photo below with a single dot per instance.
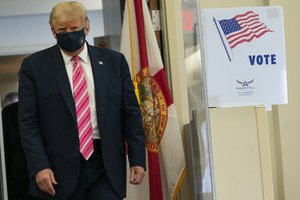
32 7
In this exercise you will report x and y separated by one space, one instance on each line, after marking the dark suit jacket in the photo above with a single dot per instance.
16 166
48 121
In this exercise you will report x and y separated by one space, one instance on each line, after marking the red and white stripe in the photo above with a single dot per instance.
251 28
83 112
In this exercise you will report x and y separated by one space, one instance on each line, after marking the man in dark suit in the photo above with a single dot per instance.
15 162
68 94
16 169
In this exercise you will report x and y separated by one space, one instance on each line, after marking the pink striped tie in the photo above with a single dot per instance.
83 114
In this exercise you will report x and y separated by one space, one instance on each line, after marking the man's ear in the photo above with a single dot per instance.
53 33
87 28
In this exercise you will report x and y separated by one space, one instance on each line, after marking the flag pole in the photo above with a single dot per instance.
155 182
223 40
133 66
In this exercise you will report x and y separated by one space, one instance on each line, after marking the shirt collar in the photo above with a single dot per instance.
83 55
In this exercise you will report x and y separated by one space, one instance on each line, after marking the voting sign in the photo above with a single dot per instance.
244 56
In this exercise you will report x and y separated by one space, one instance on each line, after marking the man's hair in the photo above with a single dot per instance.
10 98
66 11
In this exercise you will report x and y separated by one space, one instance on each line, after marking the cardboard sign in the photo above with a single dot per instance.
244 56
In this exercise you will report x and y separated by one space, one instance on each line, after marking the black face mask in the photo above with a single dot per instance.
71 41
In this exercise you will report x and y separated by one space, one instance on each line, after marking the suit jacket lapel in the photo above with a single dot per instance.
99 69
63 80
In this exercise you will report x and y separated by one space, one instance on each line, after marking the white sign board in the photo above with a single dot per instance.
244 56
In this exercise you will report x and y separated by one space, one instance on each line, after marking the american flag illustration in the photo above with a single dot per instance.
243 28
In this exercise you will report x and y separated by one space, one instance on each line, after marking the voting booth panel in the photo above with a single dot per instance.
244 52
244 69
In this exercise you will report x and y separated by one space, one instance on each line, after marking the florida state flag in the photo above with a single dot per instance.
165 163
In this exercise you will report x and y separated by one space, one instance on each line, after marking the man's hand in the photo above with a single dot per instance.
137 174
45 180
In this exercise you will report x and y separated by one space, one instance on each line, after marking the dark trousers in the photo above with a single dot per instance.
93 182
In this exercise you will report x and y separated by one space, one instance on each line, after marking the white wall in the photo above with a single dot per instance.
30 33
25 28
17 7
287 116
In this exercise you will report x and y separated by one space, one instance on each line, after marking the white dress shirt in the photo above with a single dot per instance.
87 68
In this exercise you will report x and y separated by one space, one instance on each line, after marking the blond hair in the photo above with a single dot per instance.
66 11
